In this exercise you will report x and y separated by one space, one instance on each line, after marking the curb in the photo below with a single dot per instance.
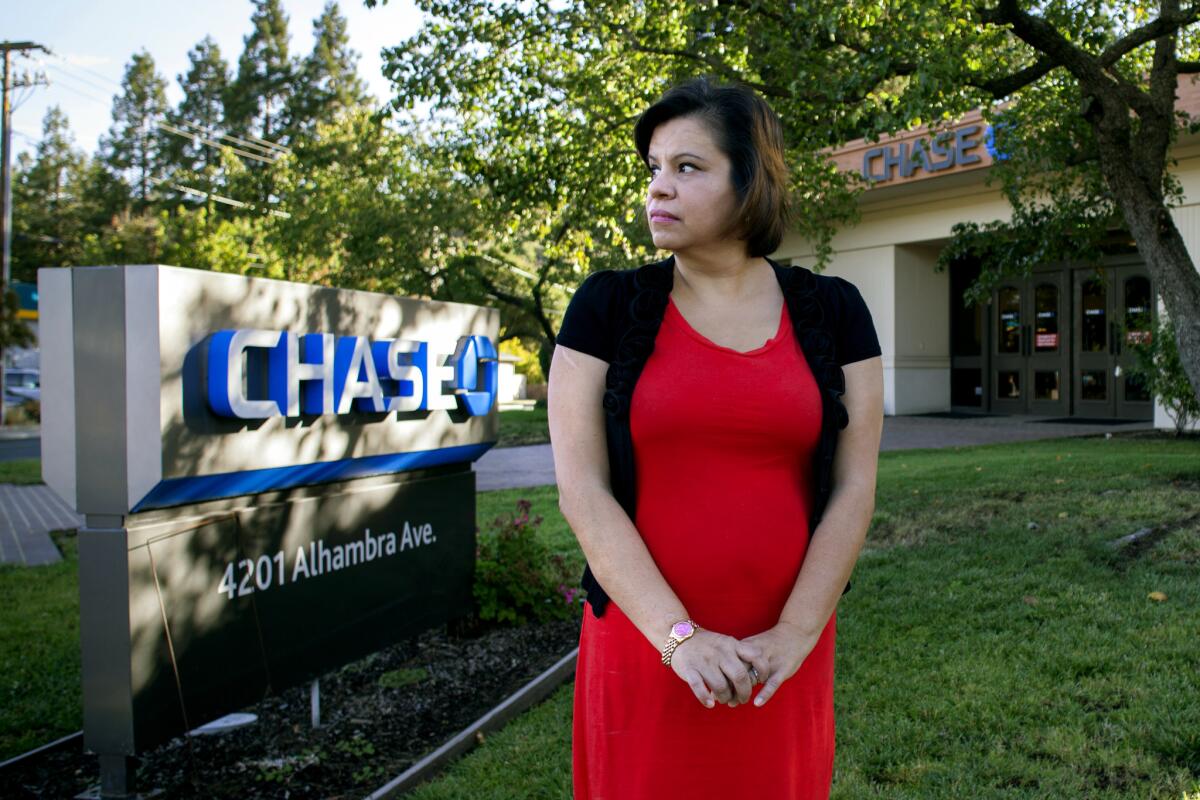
527 696
20 432
69 739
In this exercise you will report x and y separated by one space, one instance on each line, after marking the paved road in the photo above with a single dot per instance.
13 449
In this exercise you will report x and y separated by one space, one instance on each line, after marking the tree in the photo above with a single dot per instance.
201 113
362 209
328 82
47 207
259 95
546 95
531 126
133 148
368 204
257 103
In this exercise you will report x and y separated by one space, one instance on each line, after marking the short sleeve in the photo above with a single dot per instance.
855 336
590 318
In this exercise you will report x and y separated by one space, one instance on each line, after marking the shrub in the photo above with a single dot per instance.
1161 371
27 413
517 577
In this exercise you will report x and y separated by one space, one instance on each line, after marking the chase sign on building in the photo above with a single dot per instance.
275 477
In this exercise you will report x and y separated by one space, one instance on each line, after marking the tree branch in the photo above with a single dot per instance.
716 64
899 68
1044 37
1003 87
1166 24
495 291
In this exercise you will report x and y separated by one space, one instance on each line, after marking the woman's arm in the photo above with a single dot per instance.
612 545
835 544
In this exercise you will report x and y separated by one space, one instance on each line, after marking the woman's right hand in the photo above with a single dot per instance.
708 662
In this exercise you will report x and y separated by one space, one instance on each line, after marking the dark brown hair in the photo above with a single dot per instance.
749 133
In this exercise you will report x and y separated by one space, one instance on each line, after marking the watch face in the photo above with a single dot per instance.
682 629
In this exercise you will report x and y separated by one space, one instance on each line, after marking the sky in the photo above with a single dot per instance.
93 42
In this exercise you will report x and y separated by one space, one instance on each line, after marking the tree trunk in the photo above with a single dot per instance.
1167 259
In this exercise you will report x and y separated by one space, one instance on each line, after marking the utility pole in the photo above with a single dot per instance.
6 188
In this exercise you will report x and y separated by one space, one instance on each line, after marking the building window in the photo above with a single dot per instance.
1045 312
1137 311
1095 319
1045 385
1008 385
1008 335
1093 384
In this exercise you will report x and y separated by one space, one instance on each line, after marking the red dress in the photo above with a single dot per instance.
723 444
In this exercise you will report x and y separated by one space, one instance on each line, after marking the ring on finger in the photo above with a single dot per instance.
753 675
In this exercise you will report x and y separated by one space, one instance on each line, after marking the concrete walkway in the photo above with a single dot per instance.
27 515
513 467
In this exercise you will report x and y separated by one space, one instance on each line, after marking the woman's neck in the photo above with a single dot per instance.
720 273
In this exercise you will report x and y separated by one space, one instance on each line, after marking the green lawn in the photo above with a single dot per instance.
39 652
977 656
21 471
523 427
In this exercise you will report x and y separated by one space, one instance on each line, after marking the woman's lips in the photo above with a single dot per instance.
661 216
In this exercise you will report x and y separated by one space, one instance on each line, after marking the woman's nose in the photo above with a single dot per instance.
660 185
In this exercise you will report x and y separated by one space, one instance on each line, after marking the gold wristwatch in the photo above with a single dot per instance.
680 632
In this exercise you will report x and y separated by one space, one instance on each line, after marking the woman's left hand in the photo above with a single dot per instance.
776 654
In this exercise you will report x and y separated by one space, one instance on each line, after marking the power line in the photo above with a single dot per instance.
104 78
250 140
59 82
272 148
229 201
74 77
169 128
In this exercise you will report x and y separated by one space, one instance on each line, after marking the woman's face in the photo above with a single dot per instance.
691 201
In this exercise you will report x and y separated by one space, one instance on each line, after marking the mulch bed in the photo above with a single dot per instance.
379 716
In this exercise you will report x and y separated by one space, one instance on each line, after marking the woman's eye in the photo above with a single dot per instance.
686 164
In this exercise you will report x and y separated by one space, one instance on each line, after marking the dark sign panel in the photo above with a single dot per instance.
262 598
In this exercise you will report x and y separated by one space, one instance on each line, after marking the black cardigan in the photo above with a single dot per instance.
615 316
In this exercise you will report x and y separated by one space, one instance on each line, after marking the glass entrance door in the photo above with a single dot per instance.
1135 320
1094 345
1048 362
1010 389
1030 352
1115 311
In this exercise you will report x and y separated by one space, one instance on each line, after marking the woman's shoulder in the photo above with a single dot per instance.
606 286
598 311
837 294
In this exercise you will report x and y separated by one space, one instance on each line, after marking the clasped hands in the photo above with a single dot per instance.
717 666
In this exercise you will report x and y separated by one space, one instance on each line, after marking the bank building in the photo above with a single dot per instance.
1055 344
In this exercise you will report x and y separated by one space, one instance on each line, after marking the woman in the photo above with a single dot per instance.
721 506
